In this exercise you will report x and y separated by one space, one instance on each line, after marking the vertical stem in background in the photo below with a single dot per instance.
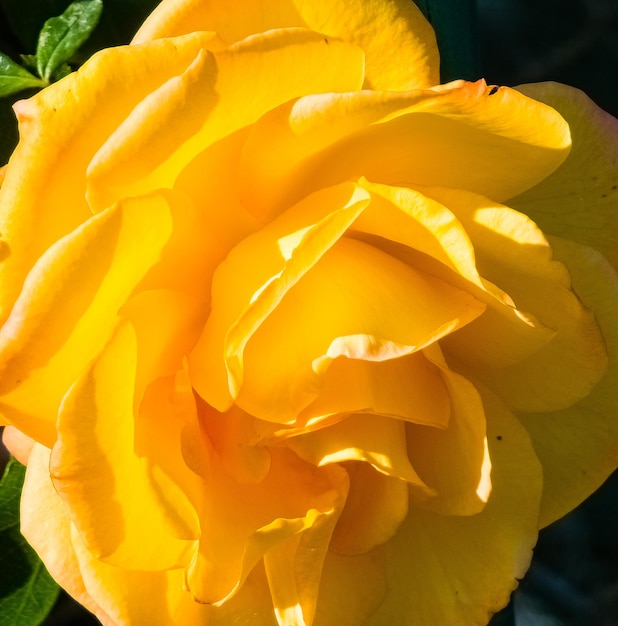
456 26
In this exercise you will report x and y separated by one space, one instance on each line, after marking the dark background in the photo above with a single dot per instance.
573 580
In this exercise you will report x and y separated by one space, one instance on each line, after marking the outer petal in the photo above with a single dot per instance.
513 253
580 200
103 478
578 446
69 304
351 588
127 597
42 198
459 136
399 43
217 95
459 570
46 525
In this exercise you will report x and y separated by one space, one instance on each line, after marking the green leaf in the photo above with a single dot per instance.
457 32
27 591
14 78
29 62
62 36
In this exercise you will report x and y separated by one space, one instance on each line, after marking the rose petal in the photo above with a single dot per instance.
577 446
352 587
454 461
18 444
461 570
44 515
218 94
241 523
376 506
374 439
287 248
60 129
459 137
580 200
98 470
399 43
513 253
409 388
68 307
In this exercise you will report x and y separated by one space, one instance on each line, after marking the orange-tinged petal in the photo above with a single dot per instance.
237 437
460 570
459 137
68 307
577 446
61 128
580 200
409 387
219 94
399 44
101 476
513 253
46 524
241 523
18 444
287 248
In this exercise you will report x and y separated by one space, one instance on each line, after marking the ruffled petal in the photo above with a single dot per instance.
452 570
102 471
61 128
242 523
68 307
378 309
374 439
580 200
287 249
217 95
578 445
513 253
399 44
461 136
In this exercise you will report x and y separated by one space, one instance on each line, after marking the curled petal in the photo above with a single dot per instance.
459 137
399 44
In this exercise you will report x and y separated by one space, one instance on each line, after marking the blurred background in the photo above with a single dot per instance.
573 580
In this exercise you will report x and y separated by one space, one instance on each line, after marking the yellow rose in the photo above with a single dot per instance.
282 340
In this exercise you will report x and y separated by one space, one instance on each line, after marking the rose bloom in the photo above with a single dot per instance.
291 335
